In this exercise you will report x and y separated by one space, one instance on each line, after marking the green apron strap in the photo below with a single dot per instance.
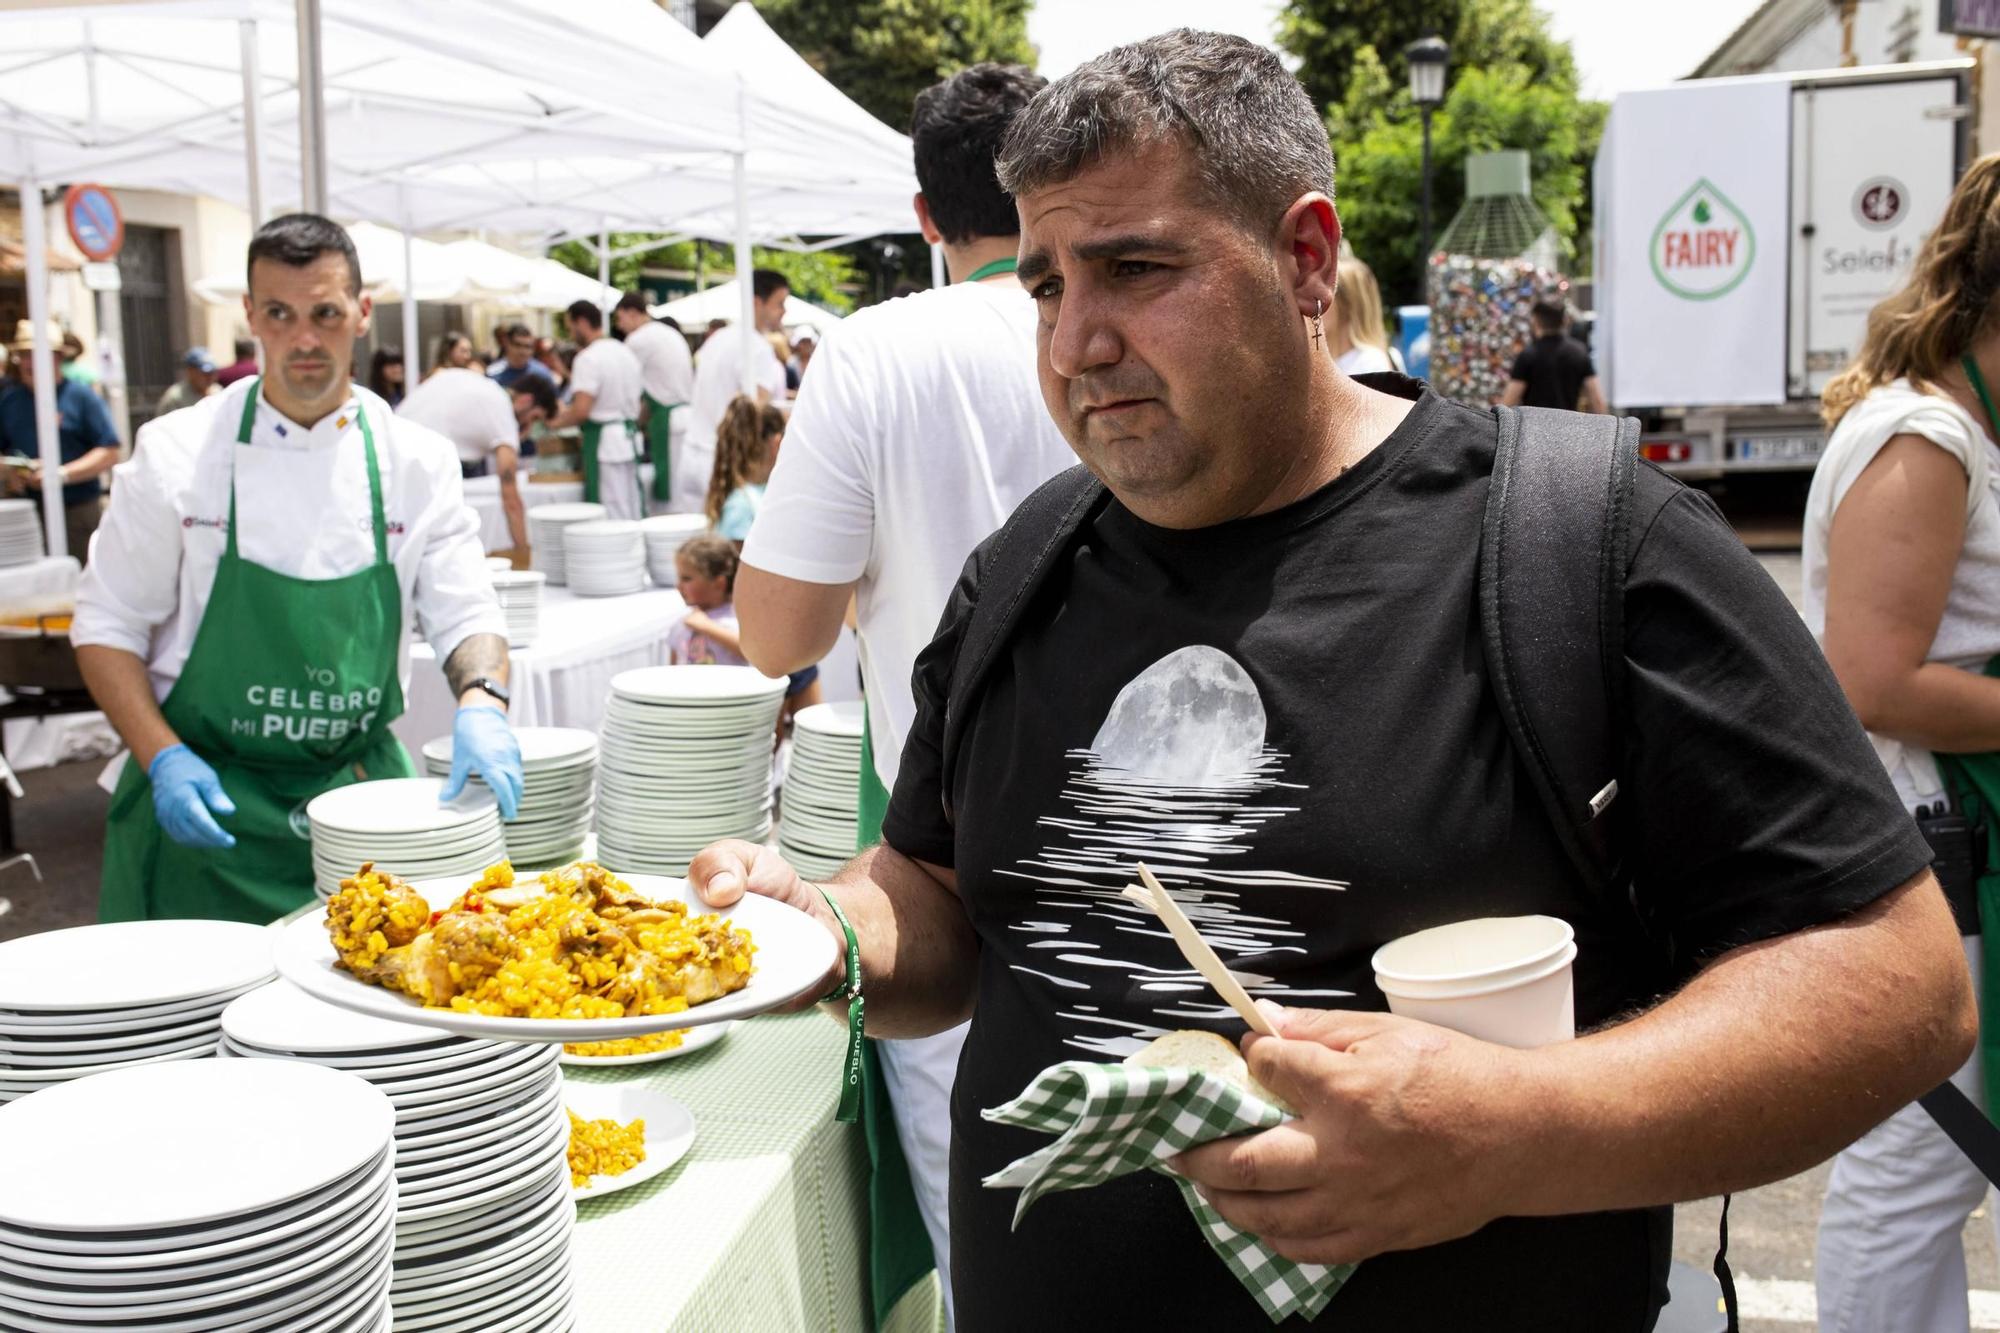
375 509
587 437
633 435
992 269
659 444
244 428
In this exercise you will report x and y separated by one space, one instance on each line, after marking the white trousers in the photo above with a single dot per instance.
694 465
1891 1251
618 489
920 1074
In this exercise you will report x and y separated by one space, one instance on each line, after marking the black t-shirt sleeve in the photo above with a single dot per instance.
1755 805
1524 363
915 823
1585 366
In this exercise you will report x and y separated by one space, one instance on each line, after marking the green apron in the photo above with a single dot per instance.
659 444
593 431
899 1246
1974 782
288 692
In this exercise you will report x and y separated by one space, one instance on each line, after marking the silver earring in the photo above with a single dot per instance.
1319 329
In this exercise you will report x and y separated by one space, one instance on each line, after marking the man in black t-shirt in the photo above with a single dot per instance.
1258 668
1554 370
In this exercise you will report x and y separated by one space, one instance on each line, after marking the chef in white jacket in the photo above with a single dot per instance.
245 619
666 378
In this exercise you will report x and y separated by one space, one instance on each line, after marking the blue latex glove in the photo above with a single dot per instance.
185 790
482 742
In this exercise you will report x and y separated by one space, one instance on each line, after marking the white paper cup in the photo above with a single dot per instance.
1500 979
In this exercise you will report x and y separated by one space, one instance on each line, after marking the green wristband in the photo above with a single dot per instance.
849 1109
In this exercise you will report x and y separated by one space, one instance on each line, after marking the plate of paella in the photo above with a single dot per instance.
577 954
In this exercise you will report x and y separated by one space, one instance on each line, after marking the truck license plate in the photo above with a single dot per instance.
1780 449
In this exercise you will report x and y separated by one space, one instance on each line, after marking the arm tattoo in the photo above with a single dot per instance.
478 655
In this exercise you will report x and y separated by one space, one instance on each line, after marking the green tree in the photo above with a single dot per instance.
1511 85
882 53
813 277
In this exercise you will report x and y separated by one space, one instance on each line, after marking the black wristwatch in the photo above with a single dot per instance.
492 687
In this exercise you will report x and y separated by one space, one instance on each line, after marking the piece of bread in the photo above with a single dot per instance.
1192 1049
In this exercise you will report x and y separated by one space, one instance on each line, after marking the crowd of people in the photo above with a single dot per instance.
1243 639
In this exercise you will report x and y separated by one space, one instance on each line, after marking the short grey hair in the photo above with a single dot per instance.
1257 142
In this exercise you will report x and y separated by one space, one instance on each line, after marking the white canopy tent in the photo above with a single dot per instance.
512 122
455 271
723 300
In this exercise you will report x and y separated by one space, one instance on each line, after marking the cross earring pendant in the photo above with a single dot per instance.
1319 328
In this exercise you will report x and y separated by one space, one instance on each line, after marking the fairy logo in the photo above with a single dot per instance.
1704 246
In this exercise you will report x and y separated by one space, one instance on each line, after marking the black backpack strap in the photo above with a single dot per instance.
1016 563
1552 612
1552 621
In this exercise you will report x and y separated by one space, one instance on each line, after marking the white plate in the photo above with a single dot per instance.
794 955
425 1122
836 720
397 805
696 685
285 1129
431 1240
517 1300
356 1232
281 1017
554 1218
509 1188
305 1216
555 515
16 1065
65 1040
35 1080
131 963
696 1039
553 1312
420 1088
539 1144
513 1114
669 1130
502 1261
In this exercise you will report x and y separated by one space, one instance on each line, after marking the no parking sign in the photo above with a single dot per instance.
95 223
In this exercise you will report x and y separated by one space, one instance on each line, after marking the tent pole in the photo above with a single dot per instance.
253 148
312 111
604 268
746 295
35 240
938 278
411 353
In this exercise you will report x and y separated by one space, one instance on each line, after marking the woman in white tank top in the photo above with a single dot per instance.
1902 588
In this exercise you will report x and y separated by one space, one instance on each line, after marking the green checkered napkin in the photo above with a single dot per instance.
1111 1120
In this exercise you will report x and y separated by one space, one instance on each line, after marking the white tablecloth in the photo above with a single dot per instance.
561 679
483 494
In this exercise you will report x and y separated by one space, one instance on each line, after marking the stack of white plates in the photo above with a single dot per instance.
545 534
664 534
686 760
816 827
484 1214
21 533
399 825
97 998
222 1194
520 595
604 558
559 782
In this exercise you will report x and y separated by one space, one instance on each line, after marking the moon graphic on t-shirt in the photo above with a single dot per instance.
1191 719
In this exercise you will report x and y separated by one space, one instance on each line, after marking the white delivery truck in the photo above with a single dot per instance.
1744 229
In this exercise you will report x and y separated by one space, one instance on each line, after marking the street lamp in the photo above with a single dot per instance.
1427 57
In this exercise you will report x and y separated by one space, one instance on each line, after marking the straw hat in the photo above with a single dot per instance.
24 336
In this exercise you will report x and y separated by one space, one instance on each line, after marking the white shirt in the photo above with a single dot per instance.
666 367
609 373
718 378
302 509
919 431
468 409
1969 632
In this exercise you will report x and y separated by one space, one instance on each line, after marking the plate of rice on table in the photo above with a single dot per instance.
575 955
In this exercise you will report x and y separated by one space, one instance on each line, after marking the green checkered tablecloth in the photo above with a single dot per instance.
764 1224
1112 1120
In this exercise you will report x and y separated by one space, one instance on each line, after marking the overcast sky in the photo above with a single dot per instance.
1618 46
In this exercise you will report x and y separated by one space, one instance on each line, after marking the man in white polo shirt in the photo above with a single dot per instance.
921 430
484 423
604 401
666 381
